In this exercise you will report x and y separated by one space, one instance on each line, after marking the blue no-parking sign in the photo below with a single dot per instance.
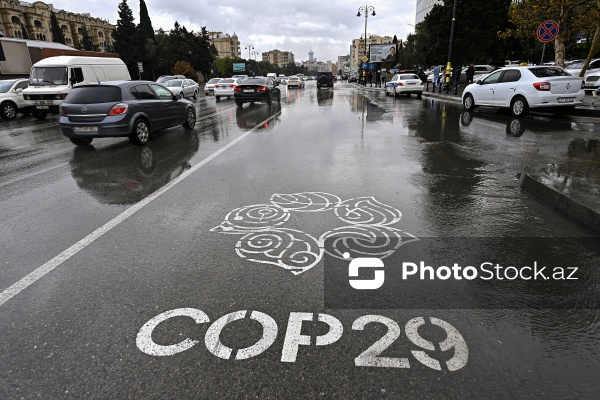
364 65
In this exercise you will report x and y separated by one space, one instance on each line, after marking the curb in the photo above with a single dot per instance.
561 203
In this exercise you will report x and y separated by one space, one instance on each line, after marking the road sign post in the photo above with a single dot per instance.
547 32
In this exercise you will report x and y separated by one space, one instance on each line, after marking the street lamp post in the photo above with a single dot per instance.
366 8
249 47
449 65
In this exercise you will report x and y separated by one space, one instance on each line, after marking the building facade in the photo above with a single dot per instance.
358 48
227 45
23 20
423 8
279 58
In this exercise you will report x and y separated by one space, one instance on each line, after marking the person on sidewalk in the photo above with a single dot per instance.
456 77
470 73
436 75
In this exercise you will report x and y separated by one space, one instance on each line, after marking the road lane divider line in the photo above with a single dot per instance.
41 271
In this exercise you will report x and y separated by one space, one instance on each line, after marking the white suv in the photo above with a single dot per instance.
11 97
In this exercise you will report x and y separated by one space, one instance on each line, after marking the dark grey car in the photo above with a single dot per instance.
122 108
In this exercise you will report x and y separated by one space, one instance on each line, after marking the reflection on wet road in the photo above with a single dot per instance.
173 298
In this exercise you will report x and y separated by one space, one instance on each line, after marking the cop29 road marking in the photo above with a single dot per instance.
294 339
41 271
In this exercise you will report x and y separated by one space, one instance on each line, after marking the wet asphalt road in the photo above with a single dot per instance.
431 171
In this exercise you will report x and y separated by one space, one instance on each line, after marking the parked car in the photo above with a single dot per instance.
164 78
294 81
209 87
324 79
479 71
575 68
282 80
261 89
122 108
406 84
592 81
183 87
225 87
524 88
11 98
353 79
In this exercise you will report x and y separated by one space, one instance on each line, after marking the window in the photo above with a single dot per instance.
143 92
543 72
162 93
22 85
492 78
94 94
511 75
37 23
15 20
77 73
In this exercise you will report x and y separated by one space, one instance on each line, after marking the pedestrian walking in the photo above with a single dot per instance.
436 75
456 77
470 73
421 75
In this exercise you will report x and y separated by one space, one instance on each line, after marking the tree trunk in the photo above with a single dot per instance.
559 51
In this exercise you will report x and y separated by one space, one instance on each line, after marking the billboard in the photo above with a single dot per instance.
239 67
382 52
16 59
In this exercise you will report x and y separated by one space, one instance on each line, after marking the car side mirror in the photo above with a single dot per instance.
479 82
19 90
73 81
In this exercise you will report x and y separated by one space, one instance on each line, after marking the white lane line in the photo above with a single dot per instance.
32 277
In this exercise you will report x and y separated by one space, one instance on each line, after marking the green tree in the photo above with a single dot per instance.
476 32
57 33
125 38
574 17
85 42
24 32
146 41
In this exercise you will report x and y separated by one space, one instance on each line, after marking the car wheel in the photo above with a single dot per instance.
190 119
181 95
468 102
519 106
195 94
9 111
141 133
81 141
419 95
218 98
239 103
40 115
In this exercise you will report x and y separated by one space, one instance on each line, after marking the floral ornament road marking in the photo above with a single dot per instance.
265 241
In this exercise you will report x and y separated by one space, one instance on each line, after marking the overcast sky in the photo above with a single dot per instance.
289 25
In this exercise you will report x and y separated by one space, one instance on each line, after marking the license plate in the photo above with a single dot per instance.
248 90
41 107
566 99
83 129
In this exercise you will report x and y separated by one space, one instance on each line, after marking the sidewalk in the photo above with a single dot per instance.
572 187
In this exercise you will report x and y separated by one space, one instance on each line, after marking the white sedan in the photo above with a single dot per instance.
225 87
295 81
404 84
523 88
11 97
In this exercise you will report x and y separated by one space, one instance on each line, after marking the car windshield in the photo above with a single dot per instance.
575 65
41 76
173 83
214 80
94 94
227 81
543 72
6 85
254 81
294 77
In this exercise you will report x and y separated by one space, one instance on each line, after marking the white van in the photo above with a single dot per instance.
52 78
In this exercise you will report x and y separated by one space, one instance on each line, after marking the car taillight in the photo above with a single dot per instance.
230 86
216 86
261 89
543 86
118 109
237 89
400 84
